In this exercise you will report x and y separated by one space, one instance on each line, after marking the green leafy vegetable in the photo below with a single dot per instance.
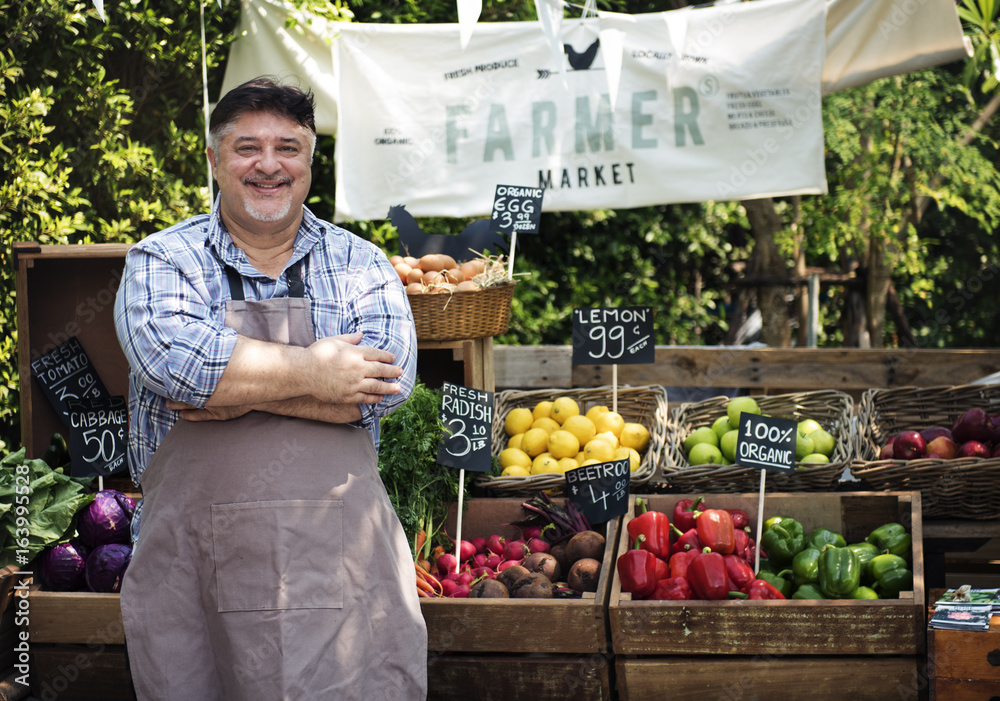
45 517
419 488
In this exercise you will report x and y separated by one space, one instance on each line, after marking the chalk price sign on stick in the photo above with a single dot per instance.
766 442
98 435
613 335
517 209
65 374
467 414
600 491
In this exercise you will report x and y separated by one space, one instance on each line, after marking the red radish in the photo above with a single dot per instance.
495 544
448 586
479 543
515 550
481 572
461 592
507 563
466 550
479 560
493 561
529 532
446 563
466 578
537 545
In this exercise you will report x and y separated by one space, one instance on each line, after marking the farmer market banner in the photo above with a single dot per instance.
620 111
714 103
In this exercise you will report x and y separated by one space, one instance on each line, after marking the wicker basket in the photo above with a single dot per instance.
958 488
646 405
450 316
834 410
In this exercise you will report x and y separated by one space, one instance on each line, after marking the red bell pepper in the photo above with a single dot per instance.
672 589
707 576
740 572
761 590
655 525
687 540
746 547
637 570
715 529
685 511
679 562
741 519
662 569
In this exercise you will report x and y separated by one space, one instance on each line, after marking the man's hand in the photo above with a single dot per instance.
215 413
343 372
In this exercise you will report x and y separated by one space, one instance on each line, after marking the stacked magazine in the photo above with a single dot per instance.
966 608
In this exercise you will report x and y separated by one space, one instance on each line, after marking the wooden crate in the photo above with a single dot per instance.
792 627
563 626
963 665
868 678
461 677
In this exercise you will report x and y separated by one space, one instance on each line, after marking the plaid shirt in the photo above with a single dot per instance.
170 311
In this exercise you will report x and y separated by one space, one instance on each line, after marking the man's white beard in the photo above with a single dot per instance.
267 216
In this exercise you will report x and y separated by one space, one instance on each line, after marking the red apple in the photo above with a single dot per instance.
908 445
973 449
973 425
995 453
929 434
942 447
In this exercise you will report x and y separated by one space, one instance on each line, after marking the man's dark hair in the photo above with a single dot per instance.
263 94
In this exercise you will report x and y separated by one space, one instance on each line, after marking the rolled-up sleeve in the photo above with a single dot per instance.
170 329
380 310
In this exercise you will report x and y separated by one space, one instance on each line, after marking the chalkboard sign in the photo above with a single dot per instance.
613 336
66 373
517 209
98 435
766 442
600 491
467 415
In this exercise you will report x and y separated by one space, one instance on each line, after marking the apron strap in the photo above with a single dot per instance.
296 285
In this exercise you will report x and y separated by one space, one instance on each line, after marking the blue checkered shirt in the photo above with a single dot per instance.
170 311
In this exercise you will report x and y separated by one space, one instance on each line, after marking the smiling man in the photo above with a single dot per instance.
264 345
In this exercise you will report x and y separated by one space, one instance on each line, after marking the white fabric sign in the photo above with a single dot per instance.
732 110
864 40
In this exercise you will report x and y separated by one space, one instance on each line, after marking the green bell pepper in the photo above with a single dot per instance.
808 591
805 566
864 592
839 572
818 537
891 575
891 538
779 580
783 540
865 551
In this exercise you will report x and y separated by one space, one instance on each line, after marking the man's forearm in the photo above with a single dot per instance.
309 407
259 372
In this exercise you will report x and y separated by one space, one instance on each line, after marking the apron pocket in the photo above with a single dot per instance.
278 555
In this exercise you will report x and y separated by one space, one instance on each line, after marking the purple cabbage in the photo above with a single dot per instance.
62 567
106 567
106 519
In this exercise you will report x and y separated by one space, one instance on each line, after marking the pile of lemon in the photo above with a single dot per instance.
555 436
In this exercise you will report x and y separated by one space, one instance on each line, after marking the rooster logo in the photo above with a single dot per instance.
477 237
581 61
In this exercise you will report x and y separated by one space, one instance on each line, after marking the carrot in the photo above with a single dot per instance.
425 587
420 540
422 594
430 580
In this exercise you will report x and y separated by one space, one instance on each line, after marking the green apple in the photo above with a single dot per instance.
823 441
807 426
728 444
814 458
705 454
738 405
803 446
704 434
722 426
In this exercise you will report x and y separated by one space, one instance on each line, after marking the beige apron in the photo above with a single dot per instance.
270 565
